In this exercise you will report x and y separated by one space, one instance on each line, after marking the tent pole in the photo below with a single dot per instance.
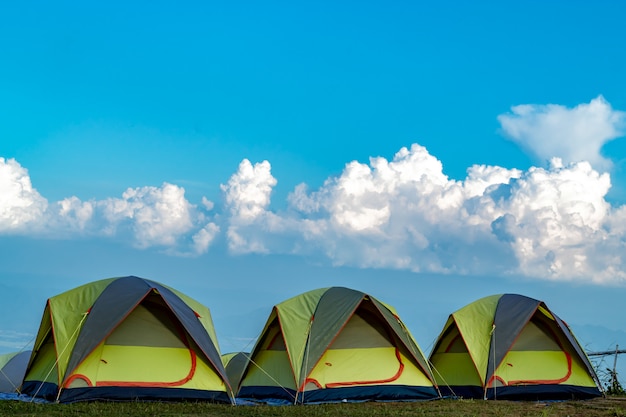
56 362
493 345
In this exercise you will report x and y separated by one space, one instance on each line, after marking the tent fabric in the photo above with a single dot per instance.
512 314
12 369
510 346
235 364
126 338
335 344
333 310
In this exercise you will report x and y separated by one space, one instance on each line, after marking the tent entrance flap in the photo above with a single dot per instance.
453 363
271 365
365 353
135 353
360 355
537 343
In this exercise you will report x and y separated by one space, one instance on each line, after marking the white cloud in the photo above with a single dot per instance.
549 222
247 196
204 237
74 214
21 206
552 223
158 216
248 191
555 219
154 216
574 135
401 214
208 204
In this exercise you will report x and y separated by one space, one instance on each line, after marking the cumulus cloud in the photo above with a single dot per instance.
204 237
72 215
153 216
247 196
247 192
572 134
550 222
158 215
21 206
554 219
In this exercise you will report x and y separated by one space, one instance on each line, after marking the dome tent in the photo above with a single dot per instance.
125 338
510 346
335 344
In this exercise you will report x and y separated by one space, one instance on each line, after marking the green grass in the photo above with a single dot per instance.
612 406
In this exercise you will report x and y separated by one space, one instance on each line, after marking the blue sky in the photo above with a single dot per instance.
429 154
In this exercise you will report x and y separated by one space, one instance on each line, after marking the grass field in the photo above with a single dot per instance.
611 406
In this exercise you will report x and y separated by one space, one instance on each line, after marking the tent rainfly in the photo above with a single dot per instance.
235 364
126 339
335 344
12 368
511 347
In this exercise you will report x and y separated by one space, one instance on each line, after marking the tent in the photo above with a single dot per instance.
12 368
335 344
126 338
510 346
235 363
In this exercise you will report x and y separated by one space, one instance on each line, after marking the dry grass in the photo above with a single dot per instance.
605 407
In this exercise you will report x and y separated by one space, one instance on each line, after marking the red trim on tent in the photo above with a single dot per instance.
549 381
537 381
192 369
496 377
427 371
454 339
69 371
377 381
496 366
208 357
78 376
371 382
568 357
313 381
178 383
301 389
270 345
183 337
